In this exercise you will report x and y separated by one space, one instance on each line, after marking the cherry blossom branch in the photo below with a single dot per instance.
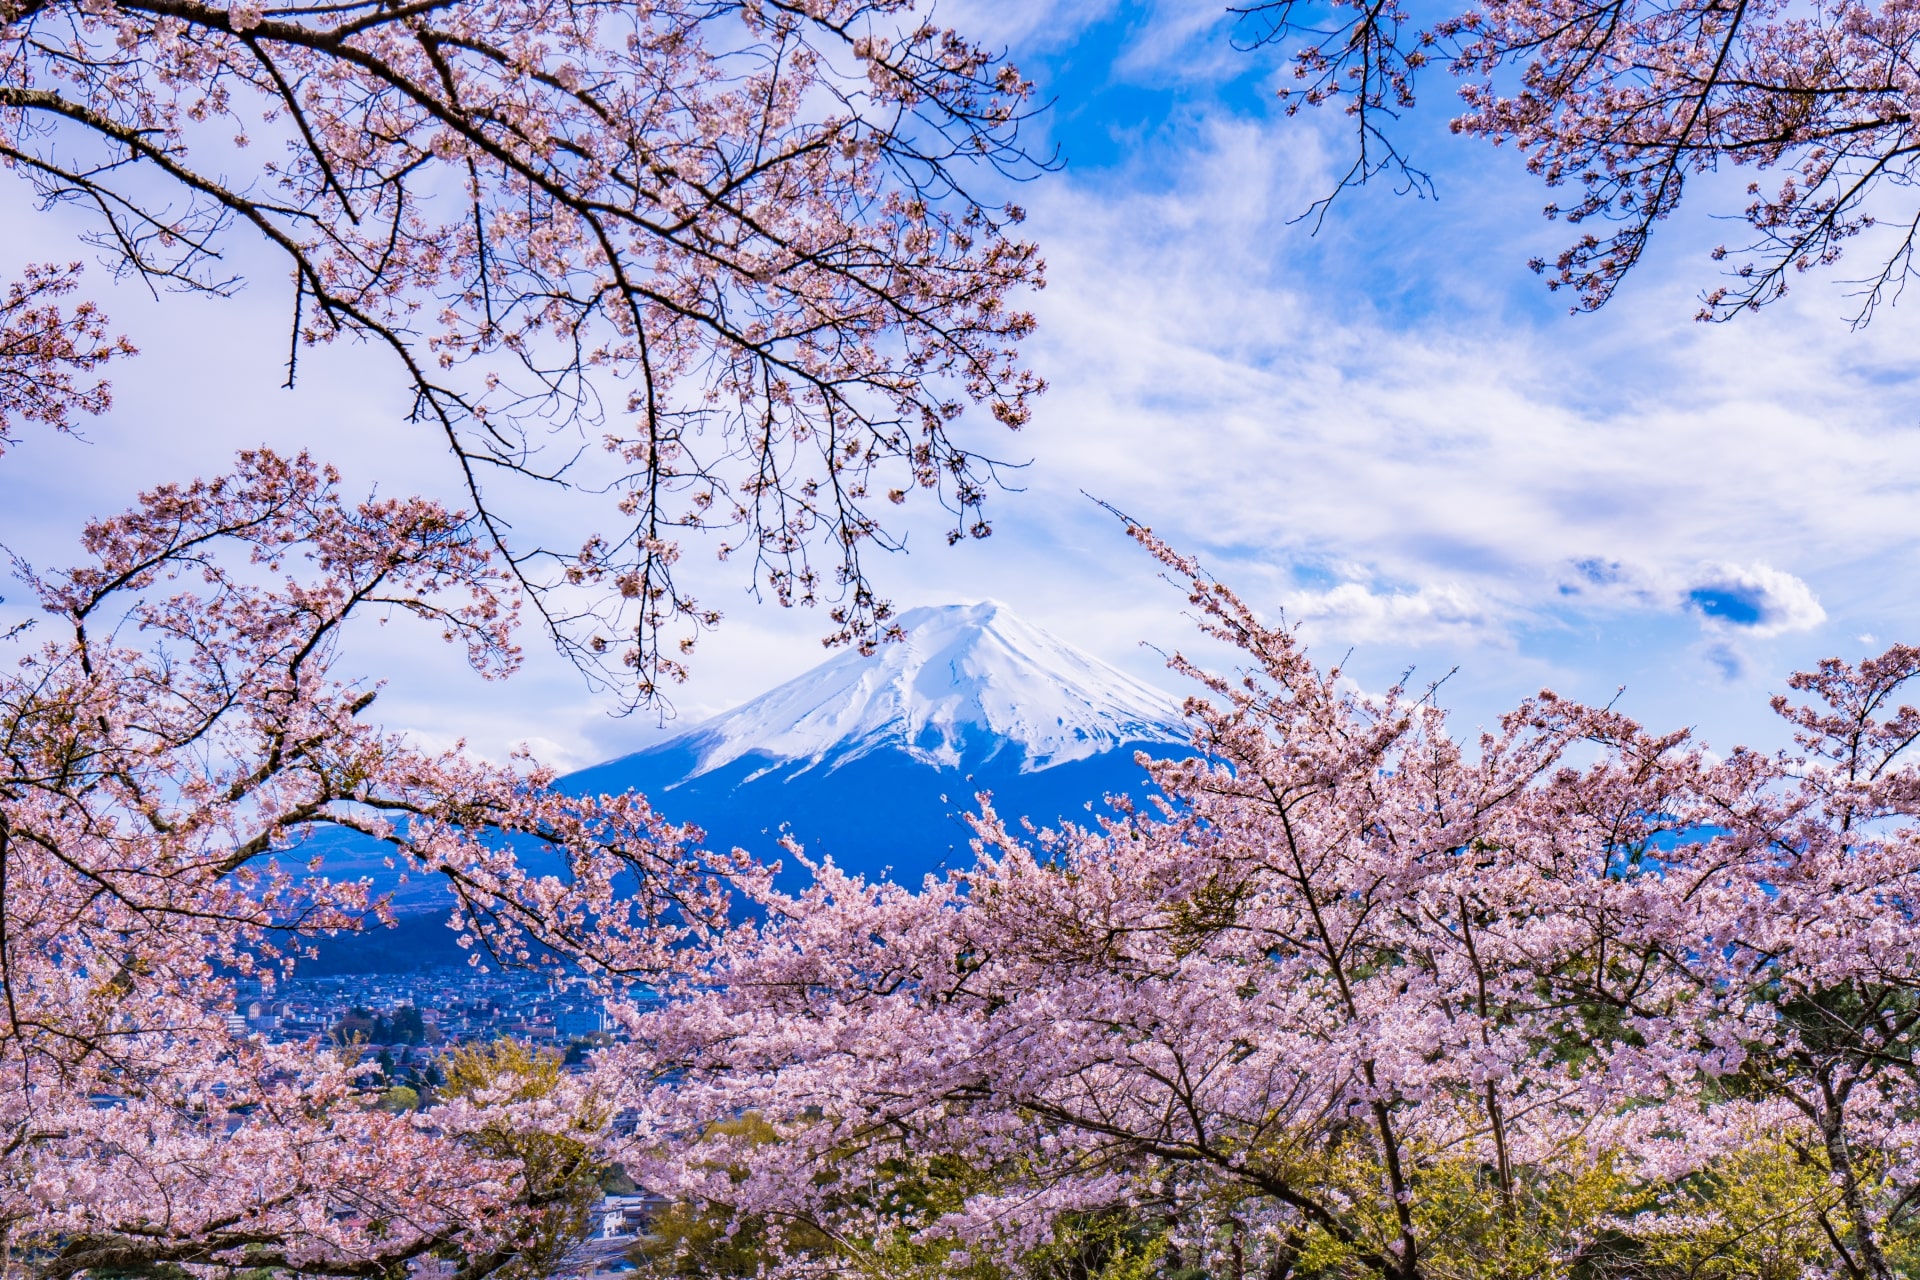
44 350
753 216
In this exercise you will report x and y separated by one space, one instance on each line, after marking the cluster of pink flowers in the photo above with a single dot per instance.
44 351
1349 993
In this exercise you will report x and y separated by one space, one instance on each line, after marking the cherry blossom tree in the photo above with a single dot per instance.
1807 966
1355 998
717 260
1627 102
172 732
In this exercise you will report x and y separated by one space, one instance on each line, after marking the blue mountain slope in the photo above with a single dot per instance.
885 813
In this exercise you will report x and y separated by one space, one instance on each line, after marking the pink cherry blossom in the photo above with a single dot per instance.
43 349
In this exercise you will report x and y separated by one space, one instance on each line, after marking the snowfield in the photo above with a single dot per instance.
968 682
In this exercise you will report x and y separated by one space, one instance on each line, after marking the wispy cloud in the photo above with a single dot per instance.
1489 474
1360 612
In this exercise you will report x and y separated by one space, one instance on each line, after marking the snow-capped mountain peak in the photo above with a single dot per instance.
967 682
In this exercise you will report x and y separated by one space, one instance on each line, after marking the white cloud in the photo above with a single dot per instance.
1359 612
1165 37
1755 600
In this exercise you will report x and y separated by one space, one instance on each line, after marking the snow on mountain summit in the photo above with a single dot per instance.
966 682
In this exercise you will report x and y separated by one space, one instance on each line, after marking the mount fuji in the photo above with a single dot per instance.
875 759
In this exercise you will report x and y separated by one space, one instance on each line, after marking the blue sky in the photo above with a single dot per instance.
1389 430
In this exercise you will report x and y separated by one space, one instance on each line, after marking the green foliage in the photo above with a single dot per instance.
558 1172
1116 1244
